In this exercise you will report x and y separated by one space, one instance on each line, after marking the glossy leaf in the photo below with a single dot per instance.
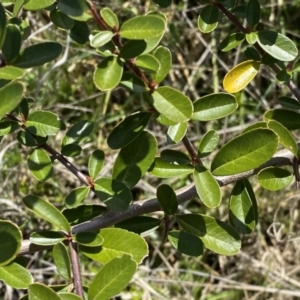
231 41
139 27
251 38
29 140
78 132
43 123
216 235
11 238
133 48
176 132
112 278
242 213
164 57
285 137
2 25
175 157
61 20
11 73
62 260
40 164
109 17
114 193
39 54
38 291
207 187
76 196
208 143
7 127
108 73
253 13
10 96
148 63
71 150
47 238
214 106
117 242
163 169
80 32
128 130
240 76
186 243
288 118
12 43
208 18
173 104
135 159
38 4
46 211
288 102
90 239
16 276
245 152
167 199
95 163
132 83
101 38
277 45
274 178
141 224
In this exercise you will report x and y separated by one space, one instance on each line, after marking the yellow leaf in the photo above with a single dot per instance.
239 77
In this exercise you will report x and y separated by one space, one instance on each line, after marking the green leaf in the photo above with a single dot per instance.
132 83
90 239
274 178
76 196
108 73
11 238
216 235
114 193
117 242
62 260
277 45
186 243
253 13
39 54
10 96
68 296
245 152
2 25
47 238
12 43
251 38
11 73
38 291
109 17
288 118
61 20
164 169
101 38
208 143
167 199
74 8
242 209
95 163
133 48
40 164
112 278
141 224
214 106
231 41
71 150
163 3
175 157
139 27
283 76
289 103
207 187
208 18
43 123
255 126
16 276
176 132
7 127
38 4
173 104
134 160
27 139
148 63
252 54
46 211
240 76
285 137
80 32
78 132
128 130
83 213
164 57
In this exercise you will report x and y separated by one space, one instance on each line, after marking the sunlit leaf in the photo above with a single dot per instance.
95 163
38 291
76 196
62 260
208 143
47 238
208 18
176 132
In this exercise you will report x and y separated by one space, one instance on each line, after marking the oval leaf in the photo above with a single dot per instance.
47 238
176 132
240 76
274 178
62 260
214 106
46 211
164 57
37 291
7 127
288 118
175 157
95 163
109 17
245 152
253 13
231 41
76 196
208 143
101 38
91 239
61 20
288 102
11 73
148 63
38 4
167 199
208 18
